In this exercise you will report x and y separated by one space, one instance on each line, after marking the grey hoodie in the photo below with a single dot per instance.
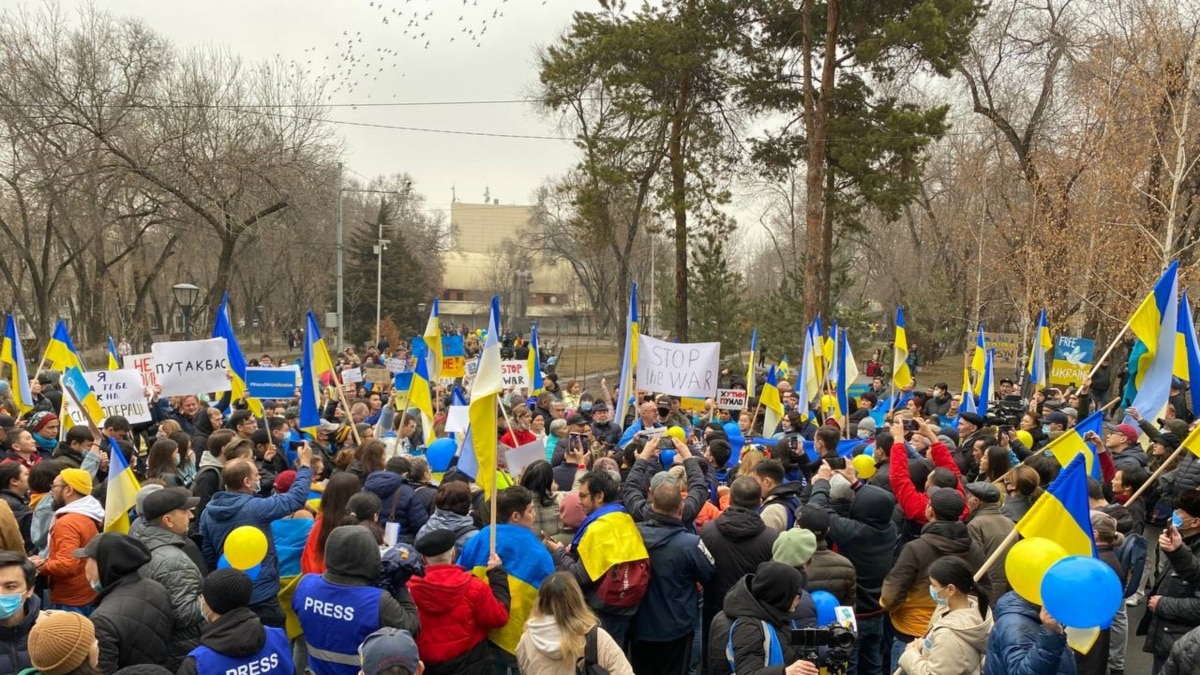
462 526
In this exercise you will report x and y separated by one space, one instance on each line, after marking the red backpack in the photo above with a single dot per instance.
624 584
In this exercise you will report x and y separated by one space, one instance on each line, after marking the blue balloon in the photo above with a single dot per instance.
223 563
1081 592
826 605
667 457
440 453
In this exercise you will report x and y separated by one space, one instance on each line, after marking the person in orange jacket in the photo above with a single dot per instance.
78 517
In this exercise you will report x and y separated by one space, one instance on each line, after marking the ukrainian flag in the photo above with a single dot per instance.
1155 323
829 355
1061 513
114 361
987 382
433 341
979 362
772 406
290 535
782 369
750 374
1070 444
222 328
60 351
1037 359
811 373
536 386
419 396
967 399
628 362
77 388
12 354
1192 442
901 375
313 365
479 447
527 563
847 373
1187 352
122 489
805 377
608 537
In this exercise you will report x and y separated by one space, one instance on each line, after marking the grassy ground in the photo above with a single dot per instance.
587 362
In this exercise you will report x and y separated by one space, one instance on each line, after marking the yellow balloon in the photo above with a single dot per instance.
678 433
1025 438
245 547
865 466
1027 563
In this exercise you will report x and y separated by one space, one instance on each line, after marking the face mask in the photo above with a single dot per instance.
1176 520
1045 428
178 460
9 604
933 594
95 586
864 434
585 407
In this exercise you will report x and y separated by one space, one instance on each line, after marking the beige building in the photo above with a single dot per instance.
477 266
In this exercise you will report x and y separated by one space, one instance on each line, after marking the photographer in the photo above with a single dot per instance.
751 636
637 484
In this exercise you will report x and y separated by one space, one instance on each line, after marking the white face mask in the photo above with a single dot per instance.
864 434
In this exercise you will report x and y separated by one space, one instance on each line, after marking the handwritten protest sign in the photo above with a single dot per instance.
119 392
678 369
515 374
351 376
731 399
191 367
144 364
378 375
453 356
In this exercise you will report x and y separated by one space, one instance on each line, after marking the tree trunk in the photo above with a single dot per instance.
679 209
817 258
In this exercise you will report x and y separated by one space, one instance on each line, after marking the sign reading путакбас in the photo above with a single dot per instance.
678 369
191 367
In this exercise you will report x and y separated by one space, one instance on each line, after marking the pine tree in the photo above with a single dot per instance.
716 289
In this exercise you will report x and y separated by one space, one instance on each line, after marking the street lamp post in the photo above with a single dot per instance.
380 247
341 328
185 295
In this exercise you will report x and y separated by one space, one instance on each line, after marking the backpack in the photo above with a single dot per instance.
772 650
590 663
624 584
1132 556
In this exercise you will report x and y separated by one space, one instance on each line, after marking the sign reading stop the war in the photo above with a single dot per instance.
144 364
678 369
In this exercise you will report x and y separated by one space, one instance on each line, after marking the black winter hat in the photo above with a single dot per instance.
776 585
227 589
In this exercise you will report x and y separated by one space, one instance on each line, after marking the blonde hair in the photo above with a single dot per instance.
168 427
561 598
750 459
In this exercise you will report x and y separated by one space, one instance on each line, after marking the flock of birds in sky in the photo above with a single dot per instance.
352 62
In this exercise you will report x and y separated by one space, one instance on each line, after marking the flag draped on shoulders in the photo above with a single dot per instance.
607 537
289 536
527 563
1062 513
13 355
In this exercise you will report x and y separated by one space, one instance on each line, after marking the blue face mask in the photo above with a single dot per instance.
933 594
585 407
1176 520
1045 428
9 604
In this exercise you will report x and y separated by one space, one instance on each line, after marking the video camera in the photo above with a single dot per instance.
829 647
1006 412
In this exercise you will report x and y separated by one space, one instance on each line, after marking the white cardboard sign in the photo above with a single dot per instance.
515 374
678 369
519 458
119 392
191 367
144 364
732 399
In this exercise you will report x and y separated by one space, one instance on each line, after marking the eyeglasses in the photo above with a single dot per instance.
584 494
58 486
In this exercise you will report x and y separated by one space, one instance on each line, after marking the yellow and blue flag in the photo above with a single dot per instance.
114 361
12 354
966 403
1062 512
1155 323
536 385
987 383
847 373
527 563
901 375
1192 442
750 374
419 396
223 328
1071 443
628 362
289 536
772 405
829 348
478 456
608 537
433 342
810 372
1038 376
76 387
313 365
979 362
60 351
781 370
122 489
1187 351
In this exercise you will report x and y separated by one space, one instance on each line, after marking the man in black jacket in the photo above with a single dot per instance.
233 631
133 616
1174 608
636 485
867 538
738 541
758 613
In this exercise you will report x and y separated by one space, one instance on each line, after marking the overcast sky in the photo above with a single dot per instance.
500 68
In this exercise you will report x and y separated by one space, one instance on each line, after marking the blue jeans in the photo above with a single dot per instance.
898 647
867 658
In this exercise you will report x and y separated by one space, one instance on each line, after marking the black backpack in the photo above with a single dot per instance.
590 663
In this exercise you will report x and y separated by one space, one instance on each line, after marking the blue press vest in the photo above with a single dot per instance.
275 658
335 619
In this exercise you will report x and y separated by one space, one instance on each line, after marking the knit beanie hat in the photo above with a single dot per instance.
794 547
40 420
60 641
79 480
227 589
947 503
776 585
